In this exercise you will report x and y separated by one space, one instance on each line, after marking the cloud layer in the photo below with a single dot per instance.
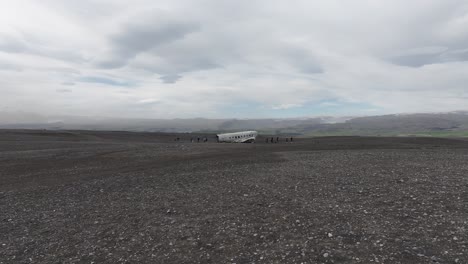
166 59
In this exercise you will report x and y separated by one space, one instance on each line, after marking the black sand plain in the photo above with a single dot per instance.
122 197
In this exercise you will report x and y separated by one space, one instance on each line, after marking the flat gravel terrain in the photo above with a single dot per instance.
121 197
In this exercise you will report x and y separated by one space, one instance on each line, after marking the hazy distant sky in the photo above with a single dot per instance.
165 59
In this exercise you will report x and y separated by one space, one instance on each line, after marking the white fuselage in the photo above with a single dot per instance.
238 137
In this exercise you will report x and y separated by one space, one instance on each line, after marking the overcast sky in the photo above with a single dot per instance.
166 59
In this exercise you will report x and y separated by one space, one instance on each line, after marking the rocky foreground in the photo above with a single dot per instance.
117 197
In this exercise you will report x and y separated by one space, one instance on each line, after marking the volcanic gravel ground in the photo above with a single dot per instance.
119 197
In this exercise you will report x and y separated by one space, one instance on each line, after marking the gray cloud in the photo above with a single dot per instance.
11 44
105 80
311 68
426 58
171 65
31 44
303 60
170 78
455 55
395 56
9 67
63 90
160 46
417 60
136 38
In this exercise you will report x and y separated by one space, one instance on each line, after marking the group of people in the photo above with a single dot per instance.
267 140
204 139
272 140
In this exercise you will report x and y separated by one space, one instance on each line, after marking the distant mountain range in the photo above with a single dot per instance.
432 124
428 124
